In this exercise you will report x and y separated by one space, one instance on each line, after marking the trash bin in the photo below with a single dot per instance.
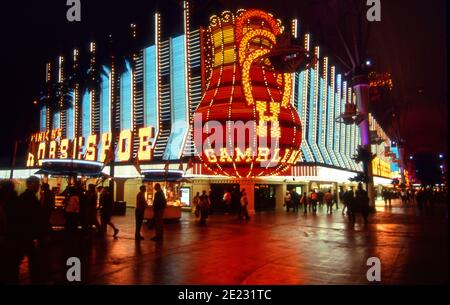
120 208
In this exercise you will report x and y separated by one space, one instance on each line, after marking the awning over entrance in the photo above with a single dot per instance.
154 175
69 167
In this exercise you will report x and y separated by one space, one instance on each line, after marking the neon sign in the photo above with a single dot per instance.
83 148
245 125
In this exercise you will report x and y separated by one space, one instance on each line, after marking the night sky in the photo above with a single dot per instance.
409 42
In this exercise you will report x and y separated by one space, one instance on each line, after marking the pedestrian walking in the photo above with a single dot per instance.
197 205
106 210
141 205
204 208
341 194
362 202
84 211
390 196
384 196
304 202
403 196
421 198
335 199
47 201
328 197
227 201
159 206
91 206
313 200
72 210
295 200
349 204
243 213
8 201
320 196
25 228
287 201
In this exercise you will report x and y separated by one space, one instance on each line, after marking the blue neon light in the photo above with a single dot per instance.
301 108
56 120
43 121
105 92
86 114
178 94
125 98
312 128
150 85
70 132
322 116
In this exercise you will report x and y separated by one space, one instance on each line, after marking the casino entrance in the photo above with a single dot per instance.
216 197
265 197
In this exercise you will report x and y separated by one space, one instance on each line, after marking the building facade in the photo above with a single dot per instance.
140 113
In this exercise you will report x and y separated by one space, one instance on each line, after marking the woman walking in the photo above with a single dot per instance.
106 210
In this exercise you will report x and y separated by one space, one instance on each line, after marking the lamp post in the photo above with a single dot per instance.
360 83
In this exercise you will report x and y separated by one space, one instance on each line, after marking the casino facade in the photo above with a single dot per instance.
208 107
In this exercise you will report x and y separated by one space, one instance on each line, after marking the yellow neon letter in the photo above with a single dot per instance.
30 160
41 152
211 155
276 156
91 148
106 145
263 154
261 108
224 156
240 156
125 146
145 151
79 151
64 148
52 150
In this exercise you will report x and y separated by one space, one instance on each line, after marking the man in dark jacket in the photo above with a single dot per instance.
141 204
159 205
349 204
362 202
47 201
26 225
295 199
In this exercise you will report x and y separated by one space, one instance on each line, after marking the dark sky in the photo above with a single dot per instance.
409 42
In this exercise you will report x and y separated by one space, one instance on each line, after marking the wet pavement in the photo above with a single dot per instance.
272 248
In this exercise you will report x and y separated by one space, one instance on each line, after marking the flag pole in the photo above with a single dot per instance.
13 161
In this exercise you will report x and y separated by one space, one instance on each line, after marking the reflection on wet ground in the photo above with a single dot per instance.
272 248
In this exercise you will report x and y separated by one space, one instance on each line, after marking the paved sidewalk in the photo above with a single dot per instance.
272 248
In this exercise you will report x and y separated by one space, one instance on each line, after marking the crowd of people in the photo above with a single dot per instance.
25 219
202 205
425 196
354 202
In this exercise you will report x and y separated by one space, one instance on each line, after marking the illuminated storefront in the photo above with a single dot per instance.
214 75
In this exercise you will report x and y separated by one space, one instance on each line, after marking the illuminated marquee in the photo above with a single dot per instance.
245 125
88 148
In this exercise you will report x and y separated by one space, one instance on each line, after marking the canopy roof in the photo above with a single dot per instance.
69 167
162 175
